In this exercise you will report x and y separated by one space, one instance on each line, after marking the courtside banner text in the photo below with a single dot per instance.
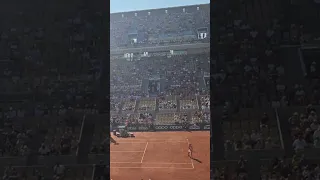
201 127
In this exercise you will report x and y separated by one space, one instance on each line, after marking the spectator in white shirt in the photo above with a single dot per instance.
254 33
94 109
300 92
294 119
316 142
299 144
62 110
316 133
314 125
12 113
59 169
44 150
269 144
20 113
284 102
255 136
313 116
24 150
87 109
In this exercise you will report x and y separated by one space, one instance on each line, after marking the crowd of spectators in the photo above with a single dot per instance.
166 111
249 133
266 64
186 104
49 76
200 117
205 103
230 169
58 171
167 104
157 27
127 76
174 26
305 129
297 167
14 142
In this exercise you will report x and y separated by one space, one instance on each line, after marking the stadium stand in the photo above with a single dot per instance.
267 51
160 66
47 85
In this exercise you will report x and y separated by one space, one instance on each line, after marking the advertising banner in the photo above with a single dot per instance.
202 127
138 128
206 127
168 127
194 127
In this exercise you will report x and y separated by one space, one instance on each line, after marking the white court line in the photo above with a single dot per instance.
190 158
144 152
146 163
125 162
165 139
147 168
127 151
130 142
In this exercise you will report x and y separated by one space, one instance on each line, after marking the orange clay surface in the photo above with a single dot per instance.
161 156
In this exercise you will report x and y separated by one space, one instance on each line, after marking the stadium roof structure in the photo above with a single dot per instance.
188 8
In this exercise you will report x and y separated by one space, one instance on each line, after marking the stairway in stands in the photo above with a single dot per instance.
145 85
178 103
201 83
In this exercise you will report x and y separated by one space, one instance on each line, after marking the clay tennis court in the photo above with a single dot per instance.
161 156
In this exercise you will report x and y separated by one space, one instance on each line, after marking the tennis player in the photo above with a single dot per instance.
190 151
